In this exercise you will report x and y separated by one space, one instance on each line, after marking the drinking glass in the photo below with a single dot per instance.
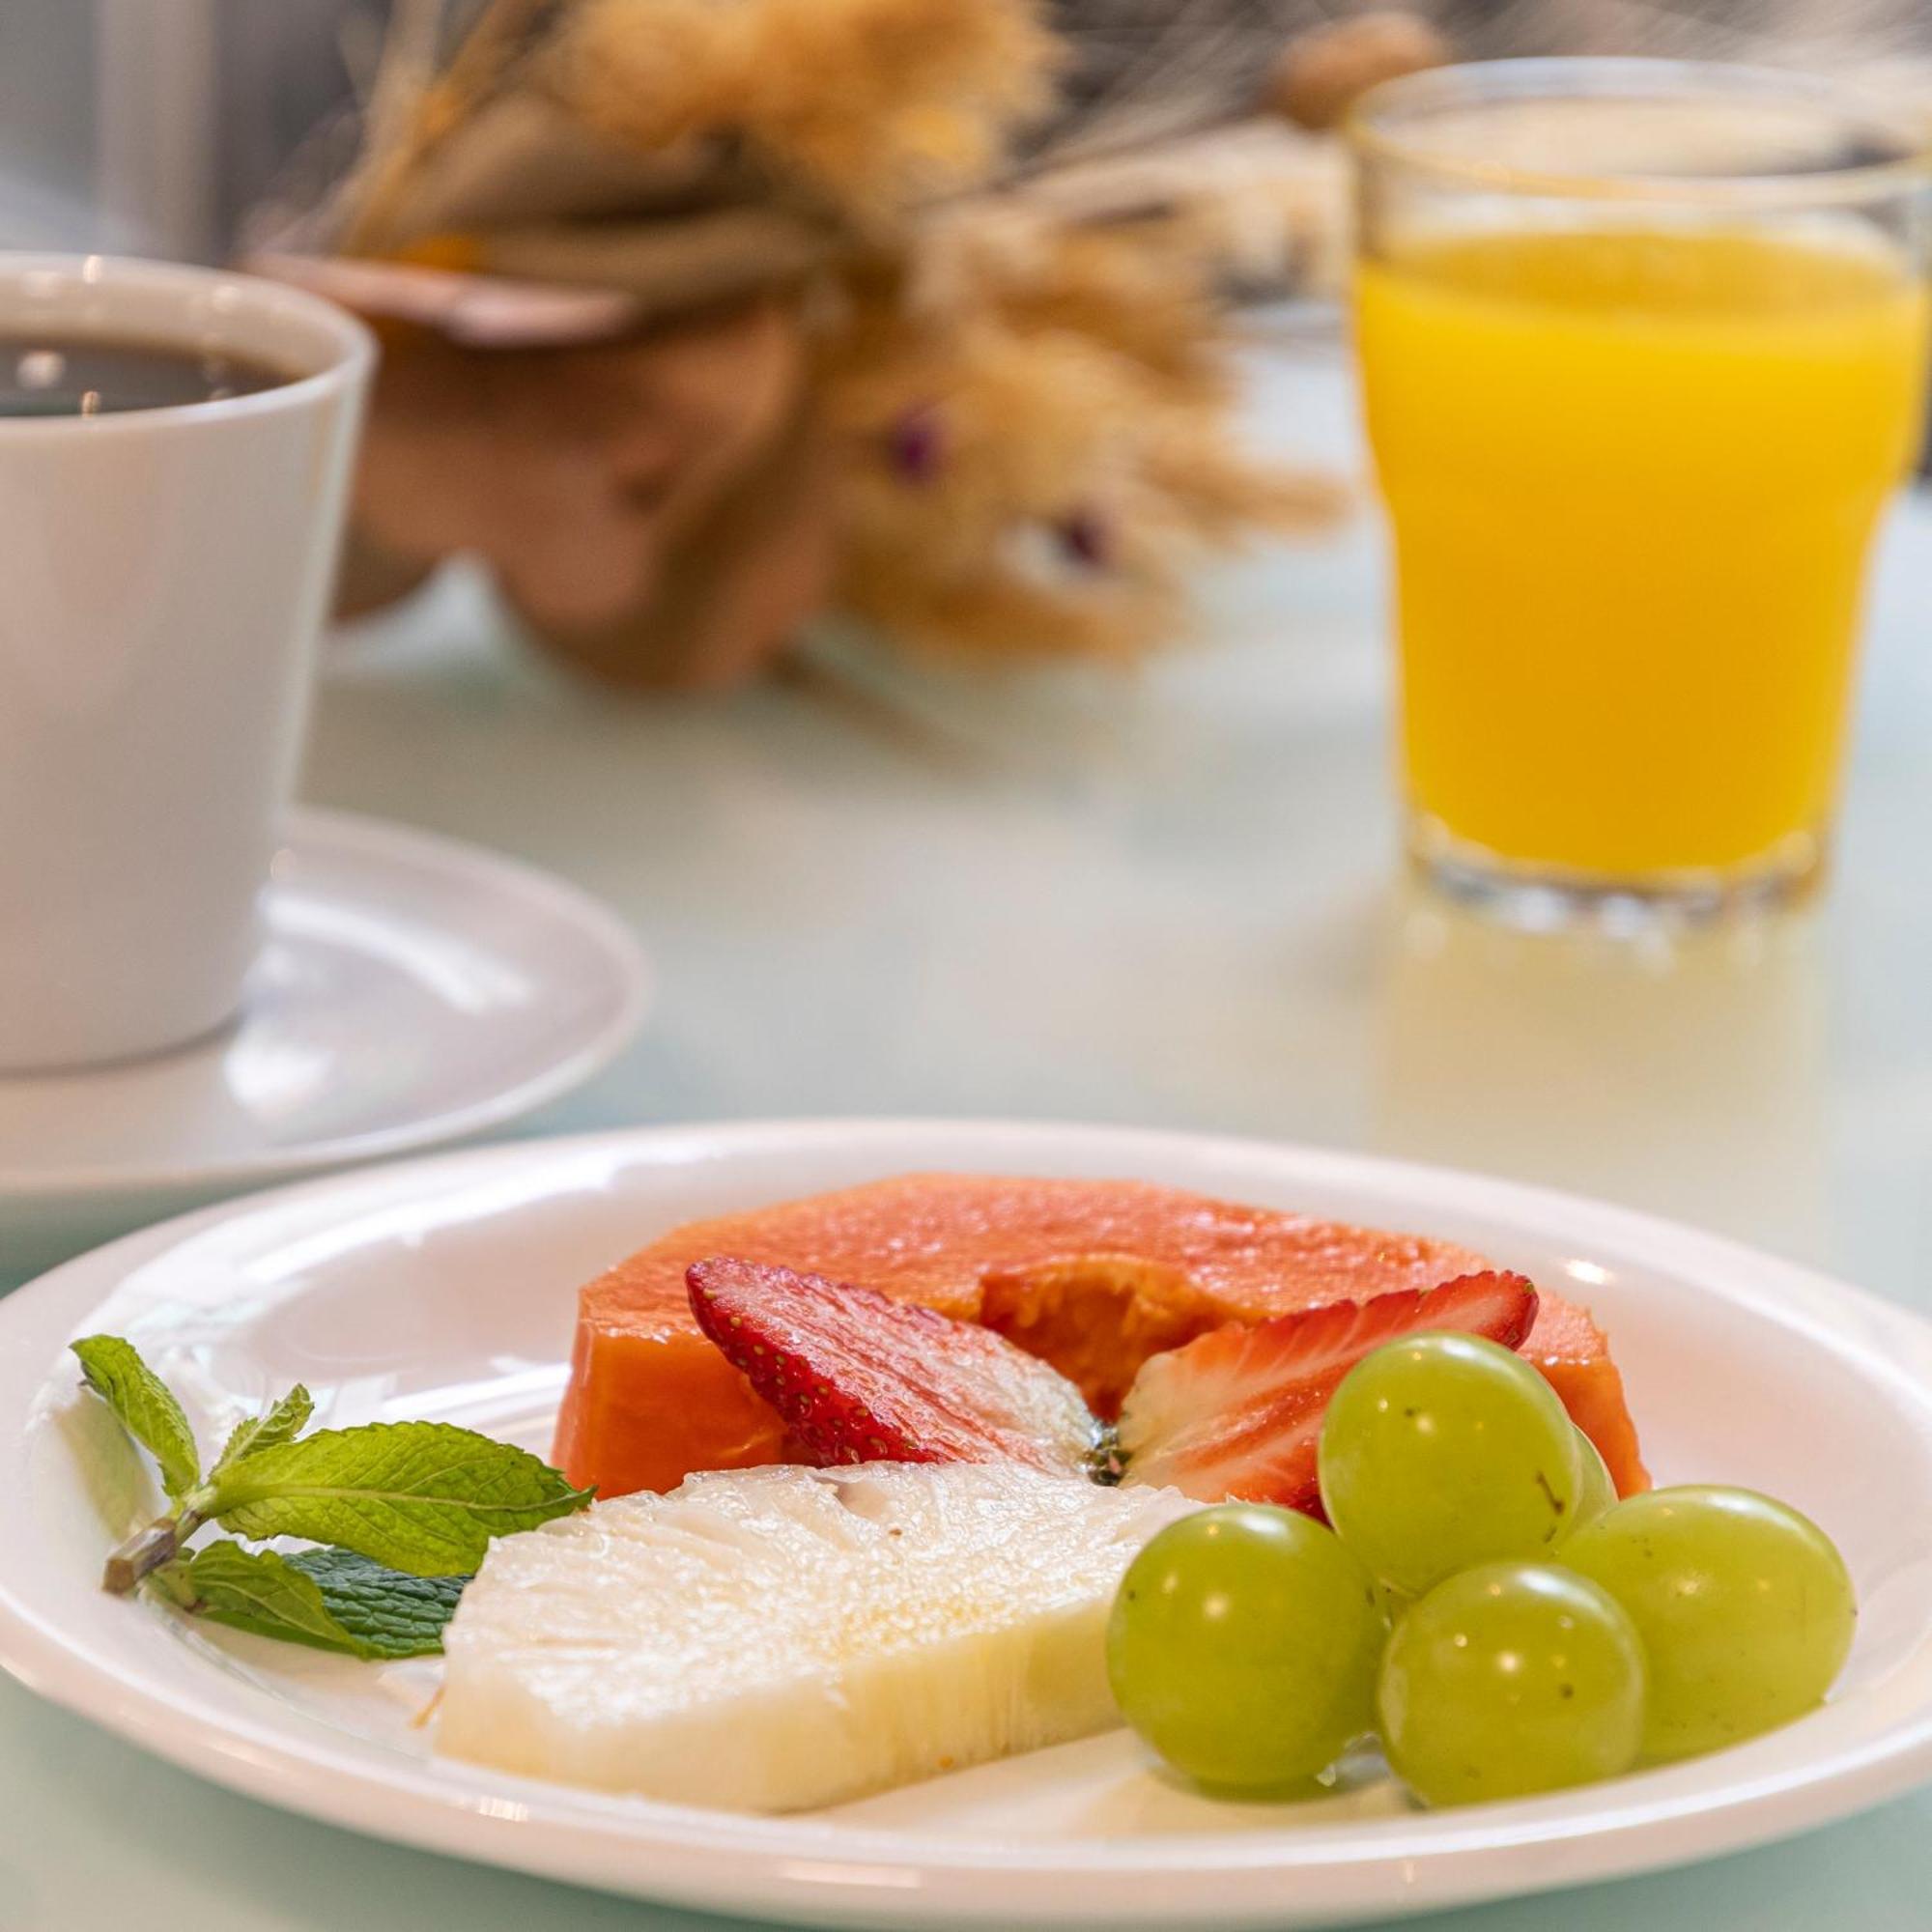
1642 348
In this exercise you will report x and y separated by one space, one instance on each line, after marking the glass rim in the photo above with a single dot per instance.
1553 78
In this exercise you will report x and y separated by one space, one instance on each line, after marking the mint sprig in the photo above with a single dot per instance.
407 1510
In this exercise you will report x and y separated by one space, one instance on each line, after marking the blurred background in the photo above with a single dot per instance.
154 125
159 124
1169 895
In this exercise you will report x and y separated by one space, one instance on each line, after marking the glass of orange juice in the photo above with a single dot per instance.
1642 349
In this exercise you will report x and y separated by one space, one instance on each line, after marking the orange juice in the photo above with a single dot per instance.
1634 476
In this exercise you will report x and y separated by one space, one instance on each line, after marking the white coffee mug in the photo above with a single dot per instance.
163 576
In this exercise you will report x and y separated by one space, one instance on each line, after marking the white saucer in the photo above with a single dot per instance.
413 990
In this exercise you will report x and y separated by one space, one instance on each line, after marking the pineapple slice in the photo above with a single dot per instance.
781 1638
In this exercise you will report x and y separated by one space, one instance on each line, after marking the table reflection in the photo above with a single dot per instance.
1684 1075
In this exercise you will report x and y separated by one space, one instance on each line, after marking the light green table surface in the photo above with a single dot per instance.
1169 900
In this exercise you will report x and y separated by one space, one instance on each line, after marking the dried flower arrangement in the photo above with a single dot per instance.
1011 230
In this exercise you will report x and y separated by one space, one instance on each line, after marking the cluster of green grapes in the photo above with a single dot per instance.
1483 1604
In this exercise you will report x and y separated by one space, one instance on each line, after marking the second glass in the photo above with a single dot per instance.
1642 349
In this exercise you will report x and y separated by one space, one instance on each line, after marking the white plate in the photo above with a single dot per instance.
444 1289
410 991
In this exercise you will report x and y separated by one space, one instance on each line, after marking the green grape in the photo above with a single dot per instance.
1511 1679
1597 1492
1744 1607
1439 1452
1243 1644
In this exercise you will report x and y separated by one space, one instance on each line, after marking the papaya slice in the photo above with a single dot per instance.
1092 1275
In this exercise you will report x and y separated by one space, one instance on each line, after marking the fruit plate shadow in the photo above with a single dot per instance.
442 1289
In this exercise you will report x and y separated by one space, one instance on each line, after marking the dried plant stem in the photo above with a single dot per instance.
399 131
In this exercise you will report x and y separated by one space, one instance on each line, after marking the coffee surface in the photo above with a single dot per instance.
56 375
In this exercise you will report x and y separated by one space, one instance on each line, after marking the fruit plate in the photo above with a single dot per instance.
442 1288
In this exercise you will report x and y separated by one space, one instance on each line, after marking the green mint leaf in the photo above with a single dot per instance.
146 1407
280 1422
256 1590
262 1591
421 1497
390 1615
325 1599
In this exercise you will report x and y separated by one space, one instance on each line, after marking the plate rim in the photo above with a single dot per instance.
804 1870
368 833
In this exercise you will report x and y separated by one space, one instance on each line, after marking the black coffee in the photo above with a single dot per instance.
93 376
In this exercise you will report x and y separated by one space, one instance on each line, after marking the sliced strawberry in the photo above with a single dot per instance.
1237 1413
862 1378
